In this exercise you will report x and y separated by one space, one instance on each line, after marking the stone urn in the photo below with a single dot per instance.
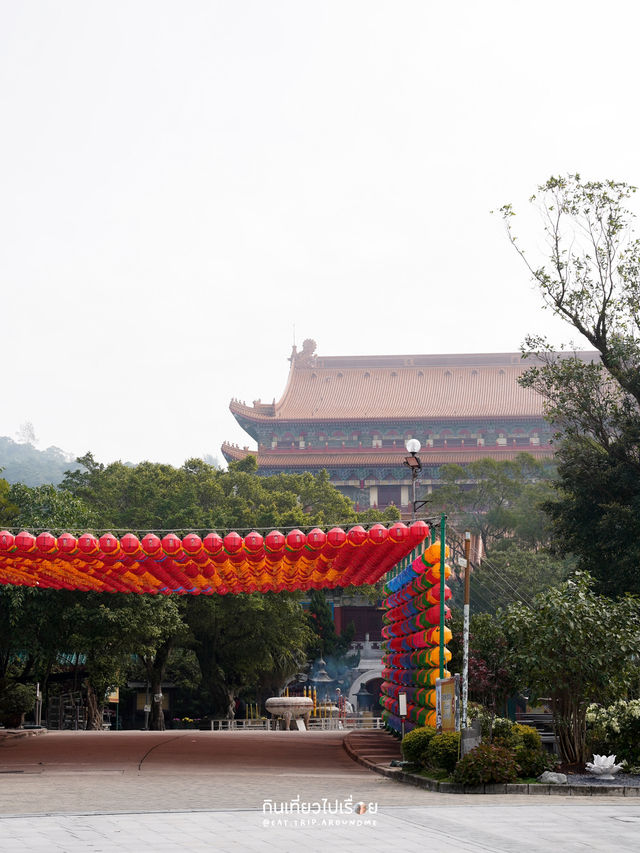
290 708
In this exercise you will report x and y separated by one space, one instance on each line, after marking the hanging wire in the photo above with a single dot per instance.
499 580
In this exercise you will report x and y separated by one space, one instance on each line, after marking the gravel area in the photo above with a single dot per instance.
588 779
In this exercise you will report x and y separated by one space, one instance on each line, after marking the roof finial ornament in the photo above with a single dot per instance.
307 355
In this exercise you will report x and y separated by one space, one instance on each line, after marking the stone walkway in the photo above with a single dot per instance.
190 791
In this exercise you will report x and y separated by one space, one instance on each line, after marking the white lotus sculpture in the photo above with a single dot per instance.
604 766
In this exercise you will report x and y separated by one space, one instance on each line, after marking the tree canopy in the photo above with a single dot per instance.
575 647
591 278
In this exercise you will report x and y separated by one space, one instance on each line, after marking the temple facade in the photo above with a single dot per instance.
351 415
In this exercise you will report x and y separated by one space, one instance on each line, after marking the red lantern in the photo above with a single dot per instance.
151 544
253 542
213 544
232 542
172 545
67 544
7 542
46 543
192 544
25 542
336 537
316 539
296 540
357 536
274 541
418 531
399 533
88 545
109 544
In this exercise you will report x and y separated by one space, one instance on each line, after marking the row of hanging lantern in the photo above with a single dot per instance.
411 643
212 564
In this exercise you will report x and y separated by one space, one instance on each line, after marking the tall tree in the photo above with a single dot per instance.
591 278
575 647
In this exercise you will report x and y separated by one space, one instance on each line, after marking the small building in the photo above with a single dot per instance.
351 415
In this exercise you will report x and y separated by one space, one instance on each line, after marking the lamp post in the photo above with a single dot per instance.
415 466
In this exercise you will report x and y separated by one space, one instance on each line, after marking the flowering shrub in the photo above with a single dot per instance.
615 730
416 743
443 750
486 764
503 734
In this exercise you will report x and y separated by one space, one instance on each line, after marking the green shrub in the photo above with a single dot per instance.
416 743
533 762
16 700
486 764
444 750
528 736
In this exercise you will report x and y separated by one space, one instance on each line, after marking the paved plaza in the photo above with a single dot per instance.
191 791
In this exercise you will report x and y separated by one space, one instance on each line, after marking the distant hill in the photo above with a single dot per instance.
24 463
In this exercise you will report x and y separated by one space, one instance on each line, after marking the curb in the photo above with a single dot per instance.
522 788
17 734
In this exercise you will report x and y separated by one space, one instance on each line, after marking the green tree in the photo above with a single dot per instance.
490 498
576 647
242 641
46 507
7 510
591 278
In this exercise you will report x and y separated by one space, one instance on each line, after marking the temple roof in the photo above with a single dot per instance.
385 387
312 458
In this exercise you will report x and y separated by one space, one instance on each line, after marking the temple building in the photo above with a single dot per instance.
353 414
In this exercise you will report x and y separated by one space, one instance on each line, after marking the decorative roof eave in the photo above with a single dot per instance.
373 457
242 412
233 453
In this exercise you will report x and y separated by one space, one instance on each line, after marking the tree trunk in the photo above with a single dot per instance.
156 718
94 710
156 667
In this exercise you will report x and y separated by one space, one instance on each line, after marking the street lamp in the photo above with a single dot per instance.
415 466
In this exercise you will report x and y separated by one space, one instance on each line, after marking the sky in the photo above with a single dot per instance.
184 183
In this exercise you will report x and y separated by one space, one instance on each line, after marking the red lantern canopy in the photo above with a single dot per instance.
418 531
399 533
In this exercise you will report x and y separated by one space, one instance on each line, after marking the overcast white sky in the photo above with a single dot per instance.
181 182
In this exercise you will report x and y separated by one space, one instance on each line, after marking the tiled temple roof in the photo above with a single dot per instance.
399 387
